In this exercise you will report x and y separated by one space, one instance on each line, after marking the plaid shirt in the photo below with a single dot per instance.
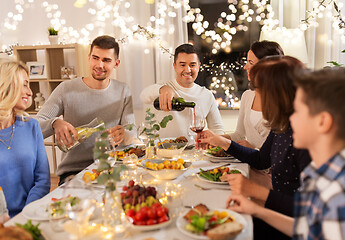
320 203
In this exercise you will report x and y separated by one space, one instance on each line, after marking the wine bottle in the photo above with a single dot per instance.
177 104
84 132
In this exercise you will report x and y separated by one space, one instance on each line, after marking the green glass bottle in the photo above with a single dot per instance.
178 104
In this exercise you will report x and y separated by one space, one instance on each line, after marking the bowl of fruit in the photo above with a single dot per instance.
165 169
142 208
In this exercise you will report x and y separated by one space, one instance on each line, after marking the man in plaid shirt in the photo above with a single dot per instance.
319 126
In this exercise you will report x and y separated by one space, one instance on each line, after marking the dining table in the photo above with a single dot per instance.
195 191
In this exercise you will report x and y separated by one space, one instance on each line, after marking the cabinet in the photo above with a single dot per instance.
52 58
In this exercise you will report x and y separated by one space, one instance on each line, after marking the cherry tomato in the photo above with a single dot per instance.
152 213
151 222
131 213
140 216
166 210
160 212
156 205
140 223
162 219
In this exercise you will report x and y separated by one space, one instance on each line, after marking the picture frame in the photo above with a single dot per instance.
37 70
67 72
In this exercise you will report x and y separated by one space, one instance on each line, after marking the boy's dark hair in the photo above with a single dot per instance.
106 42
185 48
266 48
273 77
324 90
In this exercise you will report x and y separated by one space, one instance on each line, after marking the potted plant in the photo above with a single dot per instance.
53 35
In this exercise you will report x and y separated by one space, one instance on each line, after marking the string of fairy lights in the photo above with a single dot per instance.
229 22
234 19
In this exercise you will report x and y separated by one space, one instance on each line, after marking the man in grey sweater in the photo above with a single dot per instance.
81 100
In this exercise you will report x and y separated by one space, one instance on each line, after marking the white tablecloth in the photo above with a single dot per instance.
192 196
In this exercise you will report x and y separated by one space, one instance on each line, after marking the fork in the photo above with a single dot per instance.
209 188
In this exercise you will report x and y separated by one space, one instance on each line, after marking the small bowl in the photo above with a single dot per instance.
165 174
167 152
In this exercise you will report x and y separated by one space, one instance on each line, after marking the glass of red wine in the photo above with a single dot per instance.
198 122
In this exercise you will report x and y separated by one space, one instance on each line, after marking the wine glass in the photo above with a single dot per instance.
81 206
198 122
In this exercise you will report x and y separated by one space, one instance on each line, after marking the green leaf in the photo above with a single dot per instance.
335 63
116 172
101 144
32 229
104 135
343 51
156 127
103 178
129 127
103 165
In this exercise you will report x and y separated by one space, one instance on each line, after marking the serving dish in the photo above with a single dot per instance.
165 174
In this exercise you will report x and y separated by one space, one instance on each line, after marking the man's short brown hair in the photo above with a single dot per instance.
106 42
324 90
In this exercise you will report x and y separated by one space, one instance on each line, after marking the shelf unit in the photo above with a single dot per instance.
54 57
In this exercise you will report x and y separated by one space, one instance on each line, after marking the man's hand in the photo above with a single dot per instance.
166 94
116 134
240 185
64 131
206 138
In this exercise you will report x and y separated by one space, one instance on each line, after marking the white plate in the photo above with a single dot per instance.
221 183
218 158
144 228
209 181
37 210
181 223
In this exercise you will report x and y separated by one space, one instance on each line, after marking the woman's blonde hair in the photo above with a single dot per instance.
11 87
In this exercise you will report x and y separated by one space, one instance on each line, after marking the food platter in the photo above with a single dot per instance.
181 224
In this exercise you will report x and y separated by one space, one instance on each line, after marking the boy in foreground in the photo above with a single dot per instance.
319 126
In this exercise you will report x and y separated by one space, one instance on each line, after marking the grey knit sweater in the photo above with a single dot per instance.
79 105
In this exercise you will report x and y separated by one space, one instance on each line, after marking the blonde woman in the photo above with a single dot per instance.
24 168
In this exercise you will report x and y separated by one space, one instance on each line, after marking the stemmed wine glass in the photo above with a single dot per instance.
198 122
81 207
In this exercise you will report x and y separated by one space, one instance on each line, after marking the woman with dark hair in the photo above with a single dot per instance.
251 130
272 78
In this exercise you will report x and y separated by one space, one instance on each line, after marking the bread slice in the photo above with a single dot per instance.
225 231
14 233
200 209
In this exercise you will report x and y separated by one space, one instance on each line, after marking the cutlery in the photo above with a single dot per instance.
210 188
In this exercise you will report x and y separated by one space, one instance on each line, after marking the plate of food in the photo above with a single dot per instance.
38 210
203 223
217 153
138 150
217 175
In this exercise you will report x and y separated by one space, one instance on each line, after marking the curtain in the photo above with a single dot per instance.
323 42
143 62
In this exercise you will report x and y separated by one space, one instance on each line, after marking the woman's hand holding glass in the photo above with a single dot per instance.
206 138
